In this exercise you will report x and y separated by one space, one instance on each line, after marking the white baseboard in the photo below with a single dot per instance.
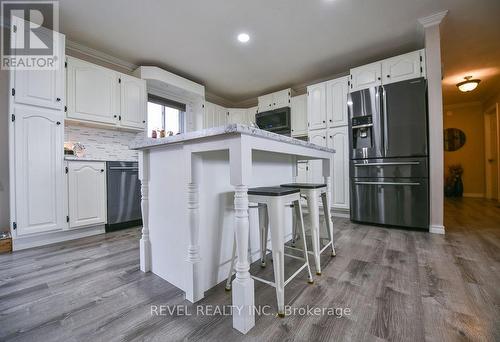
24 242
436 229
473 195
344 213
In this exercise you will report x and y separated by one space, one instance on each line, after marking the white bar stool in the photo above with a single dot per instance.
272 202
312 192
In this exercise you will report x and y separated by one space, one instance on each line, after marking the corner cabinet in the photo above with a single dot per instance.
103 96
86 193
37 158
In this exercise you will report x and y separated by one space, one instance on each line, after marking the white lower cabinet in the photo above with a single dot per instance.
39 173
338 139
317 137
86 193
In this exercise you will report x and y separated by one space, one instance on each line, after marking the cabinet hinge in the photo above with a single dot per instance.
65 108
421 70
348 83
202 106
67 218
420 58
65 64
307 168
14 28
13 92
14 225
13 117
66 169
119 80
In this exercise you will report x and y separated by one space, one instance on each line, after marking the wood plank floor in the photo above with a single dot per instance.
399 285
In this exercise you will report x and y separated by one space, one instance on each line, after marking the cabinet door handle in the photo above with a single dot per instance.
58 99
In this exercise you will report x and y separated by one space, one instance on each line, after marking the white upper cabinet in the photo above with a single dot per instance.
299 115
265 103
38 162
100 95
251 115
390 70
366 76
133 102
42 88
338 139
209 116
220 118
316 106
402 67
336 101
282 98
237 115
93 92
275 100
86 193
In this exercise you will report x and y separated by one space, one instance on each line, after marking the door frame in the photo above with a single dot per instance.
493 110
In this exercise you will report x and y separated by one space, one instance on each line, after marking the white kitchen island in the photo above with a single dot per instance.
194 201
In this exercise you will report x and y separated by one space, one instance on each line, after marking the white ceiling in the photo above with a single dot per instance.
293 42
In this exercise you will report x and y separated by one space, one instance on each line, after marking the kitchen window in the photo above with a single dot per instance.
164 114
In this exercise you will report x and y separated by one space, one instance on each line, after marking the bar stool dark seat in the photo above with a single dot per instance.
271 204
312 192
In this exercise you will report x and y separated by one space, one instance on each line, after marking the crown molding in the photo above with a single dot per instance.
433 19
101 56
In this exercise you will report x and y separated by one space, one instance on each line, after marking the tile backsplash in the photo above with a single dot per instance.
102 144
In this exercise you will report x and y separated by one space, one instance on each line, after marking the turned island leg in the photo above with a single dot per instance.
144 244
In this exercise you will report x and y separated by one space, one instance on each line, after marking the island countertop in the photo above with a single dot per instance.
141 141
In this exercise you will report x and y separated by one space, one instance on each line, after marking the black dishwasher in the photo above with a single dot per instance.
124 195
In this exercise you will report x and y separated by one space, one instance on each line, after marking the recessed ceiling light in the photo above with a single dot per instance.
243 37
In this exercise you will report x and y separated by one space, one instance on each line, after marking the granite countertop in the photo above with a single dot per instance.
75 158
141 141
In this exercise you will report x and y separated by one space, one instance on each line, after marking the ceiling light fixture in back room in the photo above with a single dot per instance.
468 85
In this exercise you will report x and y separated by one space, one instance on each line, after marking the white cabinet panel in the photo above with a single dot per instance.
237 115
316 166
93 92
366 76
401 68
265 102
86 193
302 172
221 116
39 172
316 106
338 139
44 88
251 115
281 98
133 104
299 115
209 116
336 101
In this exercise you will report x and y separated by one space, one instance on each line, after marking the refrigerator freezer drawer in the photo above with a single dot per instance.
390 167
400 202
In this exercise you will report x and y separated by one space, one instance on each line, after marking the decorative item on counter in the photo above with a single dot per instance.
454 186
162 133
170 133
153 134
68 151
79 149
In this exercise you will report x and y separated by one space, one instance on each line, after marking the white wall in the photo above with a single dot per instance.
4 151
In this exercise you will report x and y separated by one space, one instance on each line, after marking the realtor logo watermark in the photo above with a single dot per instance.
29 38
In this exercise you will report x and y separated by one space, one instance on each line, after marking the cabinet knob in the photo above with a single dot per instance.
324 121
378 78
324 137
102 170
115 116
58 122
58 99
331 120
143 121
388 76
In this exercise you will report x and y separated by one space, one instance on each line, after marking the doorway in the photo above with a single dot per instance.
492 151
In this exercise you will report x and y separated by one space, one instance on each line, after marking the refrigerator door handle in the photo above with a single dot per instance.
387 183
384 114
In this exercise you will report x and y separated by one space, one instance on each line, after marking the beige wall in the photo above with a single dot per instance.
469 119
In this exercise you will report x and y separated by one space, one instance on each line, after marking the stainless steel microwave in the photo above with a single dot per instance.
276 121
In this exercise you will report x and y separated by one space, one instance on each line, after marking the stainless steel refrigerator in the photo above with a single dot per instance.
389 154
